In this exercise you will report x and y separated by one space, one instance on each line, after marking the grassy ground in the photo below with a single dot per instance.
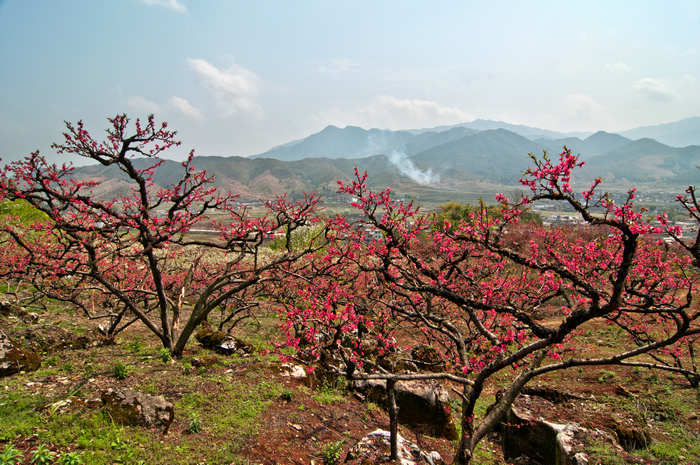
243 410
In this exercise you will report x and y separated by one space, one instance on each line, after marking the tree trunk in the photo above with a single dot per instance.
393 419
463 455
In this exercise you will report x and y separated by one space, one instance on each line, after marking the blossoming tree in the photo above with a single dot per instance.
493 296
135 254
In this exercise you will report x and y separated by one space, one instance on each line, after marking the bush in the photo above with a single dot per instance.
70 458
11 456
120 370
195 425
42 456
165 354
331 452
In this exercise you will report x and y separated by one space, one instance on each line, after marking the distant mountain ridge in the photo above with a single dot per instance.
438 163
677 134
525 131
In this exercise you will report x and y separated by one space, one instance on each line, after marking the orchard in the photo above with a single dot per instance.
495 297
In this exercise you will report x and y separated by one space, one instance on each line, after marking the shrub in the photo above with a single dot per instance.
10 455
70 458
120 371
42 456
331 452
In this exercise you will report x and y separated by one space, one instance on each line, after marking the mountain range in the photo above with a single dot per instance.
440 163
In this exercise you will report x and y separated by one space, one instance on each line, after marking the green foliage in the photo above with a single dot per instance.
604 454
42 456
287 395
456 212
331 391
124 452
331 452
23 211
18 414
135 347
299 239
70 458
195 425
165 355
120 371
10 455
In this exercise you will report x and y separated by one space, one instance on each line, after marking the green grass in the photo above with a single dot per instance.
18 415
331 392
604 454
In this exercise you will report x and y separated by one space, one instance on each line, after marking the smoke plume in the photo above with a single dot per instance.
408 168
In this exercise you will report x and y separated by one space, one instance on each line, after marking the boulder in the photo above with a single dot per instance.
221 342
423 405
293 371
632 438
14 358
51 338
542 441
209 337
8 308
234 345
129 407
375 448
205 361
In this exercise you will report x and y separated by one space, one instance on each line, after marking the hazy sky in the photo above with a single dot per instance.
236 78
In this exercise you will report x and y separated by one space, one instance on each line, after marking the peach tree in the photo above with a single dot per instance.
492 295
134 257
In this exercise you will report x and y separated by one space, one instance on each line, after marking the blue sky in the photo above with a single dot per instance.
236 78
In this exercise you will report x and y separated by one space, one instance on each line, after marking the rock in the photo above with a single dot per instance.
375 448
221 342
234 345
7 308
631 438
14 358
621 391
59 406
52 338
542 441
294 371
209 337
550 394
205 361
423 405
129 407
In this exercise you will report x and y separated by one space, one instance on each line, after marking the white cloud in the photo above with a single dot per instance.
583 111
186 108
688 79
172 4
143 104
618 67
654 89
235 88
395 113
338 65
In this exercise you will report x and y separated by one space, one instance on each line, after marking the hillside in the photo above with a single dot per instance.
678 133
520 129
259 178
468 164
592 146
648 161
497 155
334 142
246 408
